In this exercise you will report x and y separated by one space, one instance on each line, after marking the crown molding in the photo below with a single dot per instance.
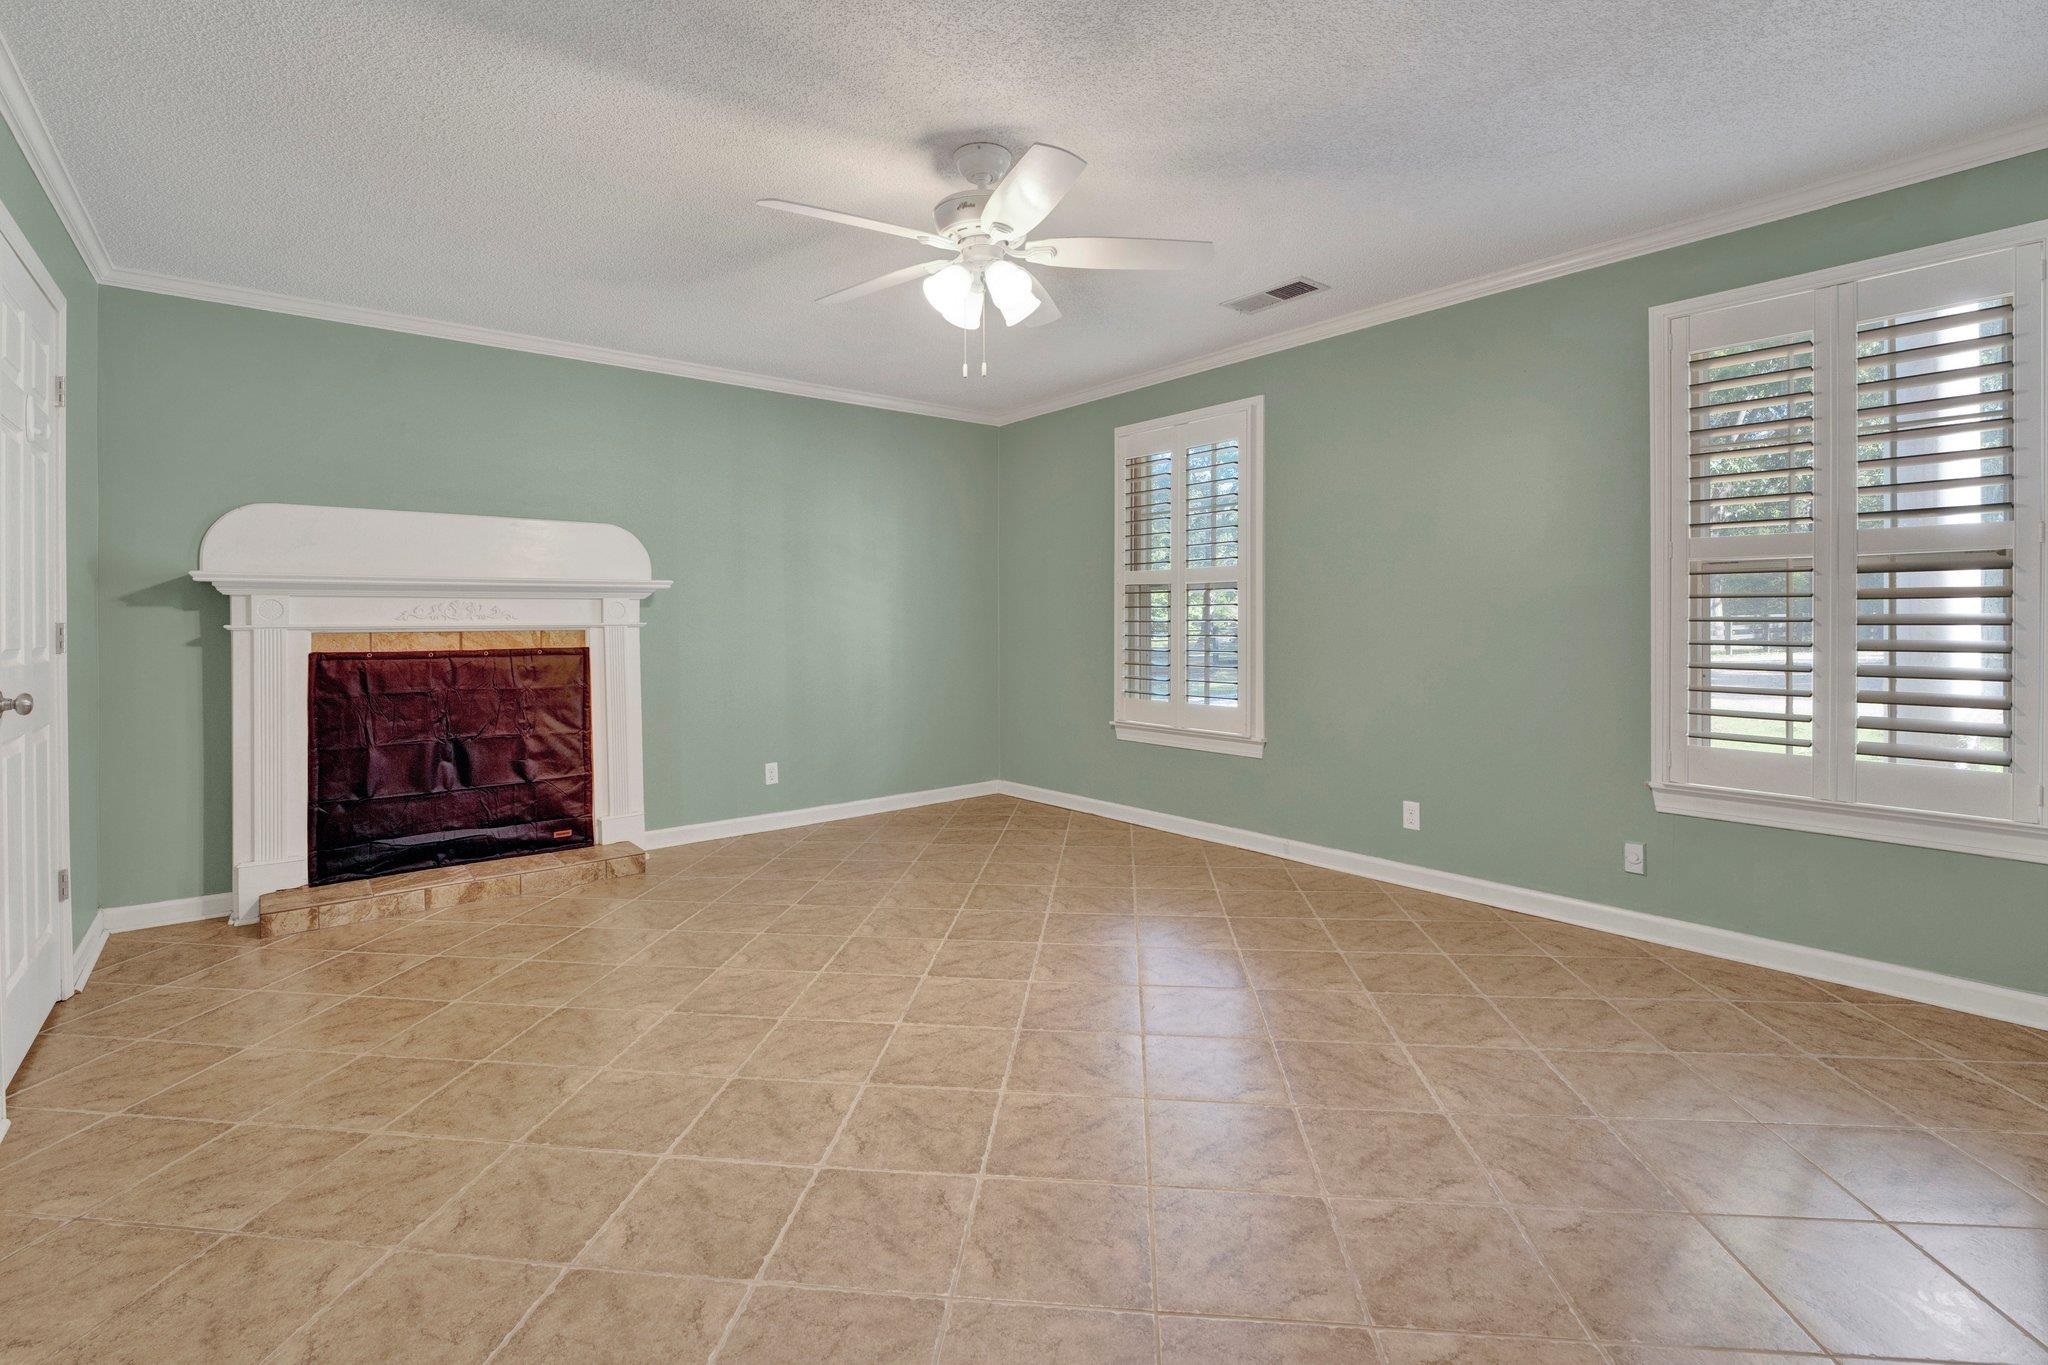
2014 141
25 119
151 283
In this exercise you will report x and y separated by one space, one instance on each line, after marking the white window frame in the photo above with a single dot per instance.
1755 793
1174 723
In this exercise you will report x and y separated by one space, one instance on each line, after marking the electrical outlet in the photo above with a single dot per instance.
771 773
1632 858
1411 815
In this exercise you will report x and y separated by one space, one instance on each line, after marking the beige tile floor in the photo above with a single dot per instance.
991 1081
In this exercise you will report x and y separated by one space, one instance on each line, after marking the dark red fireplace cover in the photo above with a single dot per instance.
433 758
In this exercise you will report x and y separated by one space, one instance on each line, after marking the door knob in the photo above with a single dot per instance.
20 704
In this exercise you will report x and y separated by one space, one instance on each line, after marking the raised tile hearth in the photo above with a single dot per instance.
301 908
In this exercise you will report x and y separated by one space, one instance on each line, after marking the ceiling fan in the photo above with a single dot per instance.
986 232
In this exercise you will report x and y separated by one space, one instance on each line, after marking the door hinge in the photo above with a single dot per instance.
59 642
60 391
63 884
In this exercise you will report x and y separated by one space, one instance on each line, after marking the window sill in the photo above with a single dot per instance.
1922 829
1235 745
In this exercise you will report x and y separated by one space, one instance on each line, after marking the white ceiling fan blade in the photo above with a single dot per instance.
888 281
1120 253
855 220
1035 185
1047 310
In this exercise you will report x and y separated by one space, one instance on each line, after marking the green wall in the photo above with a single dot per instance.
834 575
23 197
1458 608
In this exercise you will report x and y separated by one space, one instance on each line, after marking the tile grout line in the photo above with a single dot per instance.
390 1250
2038 1338
1514 1217
995 1118
1145 1115
1514 1214
1606 1126
1295 1107
817 1168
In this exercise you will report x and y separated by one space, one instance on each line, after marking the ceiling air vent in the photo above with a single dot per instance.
1279 293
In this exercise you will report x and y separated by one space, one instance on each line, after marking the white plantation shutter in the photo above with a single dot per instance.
1187 580
1748 407
1213 674
1148 643
1148 511
1214 501
1852 542
1750 656
1750 466
1934 659
1945 472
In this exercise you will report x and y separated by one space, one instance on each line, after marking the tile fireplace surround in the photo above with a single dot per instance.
290 572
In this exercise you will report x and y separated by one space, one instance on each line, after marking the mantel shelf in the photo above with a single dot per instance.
236 584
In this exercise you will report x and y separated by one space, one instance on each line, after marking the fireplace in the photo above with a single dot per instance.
304 583
433 758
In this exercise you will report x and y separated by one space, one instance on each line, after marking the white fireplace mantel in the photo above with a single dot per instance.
290 571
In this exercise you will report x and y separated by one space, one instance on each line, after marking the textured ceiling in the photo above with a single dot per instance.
585 172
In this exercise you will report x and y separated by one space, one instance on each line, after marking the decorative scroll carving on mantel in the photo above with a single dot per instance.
456 611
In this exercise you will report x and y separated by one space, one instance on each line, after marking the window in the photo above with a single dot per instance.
1848 550
1187 580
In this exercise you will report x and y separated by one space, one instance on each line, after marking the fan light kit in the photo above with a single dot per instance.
986 232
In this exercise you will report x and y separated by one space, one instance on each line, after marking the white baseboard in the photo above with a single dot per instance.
1889 978
117 919
87 952
811 815
191 909
120 919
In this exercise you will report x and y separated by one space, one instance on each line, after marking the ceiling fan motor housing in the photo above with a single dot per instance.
959 210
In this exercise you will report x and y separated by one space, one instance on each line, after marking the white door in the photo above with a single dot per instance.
34 925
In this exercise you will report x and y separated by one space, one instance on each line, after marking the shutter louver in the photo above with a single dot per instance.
1148 643
1148 512
1750 656
1934 416
1146 664
1750 456
1212 506
1212 646
1934 658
